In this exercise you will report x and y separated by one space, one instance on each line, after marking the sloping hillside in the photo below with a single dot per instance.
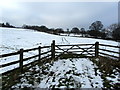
14 39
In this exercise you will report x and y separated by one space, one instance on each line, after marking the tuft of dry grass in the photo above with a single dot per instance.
108 67
106 64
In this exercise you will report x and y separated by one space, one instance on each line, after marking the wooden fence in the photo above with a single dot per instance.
22 59
93 50
56 51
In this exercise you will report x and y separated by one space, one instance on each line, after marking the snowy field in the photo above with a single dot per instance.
13 39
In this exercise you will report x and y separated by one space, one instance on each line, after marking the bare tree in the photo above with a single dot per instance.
113 26
110 30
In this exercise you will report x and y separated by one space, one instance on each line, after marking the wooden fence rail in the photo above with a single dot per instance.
22 59
107 52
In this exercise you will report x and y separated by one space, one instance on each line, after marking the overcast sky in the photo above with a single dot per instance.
59 14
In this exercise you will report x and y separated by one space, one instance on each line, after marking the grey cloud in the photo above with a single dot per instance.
65 14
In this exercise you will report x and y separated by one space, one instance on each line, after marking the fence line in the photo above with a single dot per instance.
57 49
21 59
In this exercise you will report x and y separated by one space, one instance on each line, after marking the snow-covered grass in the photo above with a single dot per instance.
69 73
65 73
14 39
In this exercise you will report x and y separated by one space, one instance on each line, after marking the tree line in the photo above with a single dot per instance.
6 25
96 30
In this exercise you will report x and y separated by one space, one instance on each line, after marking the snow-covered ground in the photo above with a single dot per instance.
66 73
80 73
13 39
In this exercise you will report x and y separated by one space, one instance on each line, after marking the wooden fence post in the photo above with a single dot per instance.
53 50
21 60
39 51
96 49
119 48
